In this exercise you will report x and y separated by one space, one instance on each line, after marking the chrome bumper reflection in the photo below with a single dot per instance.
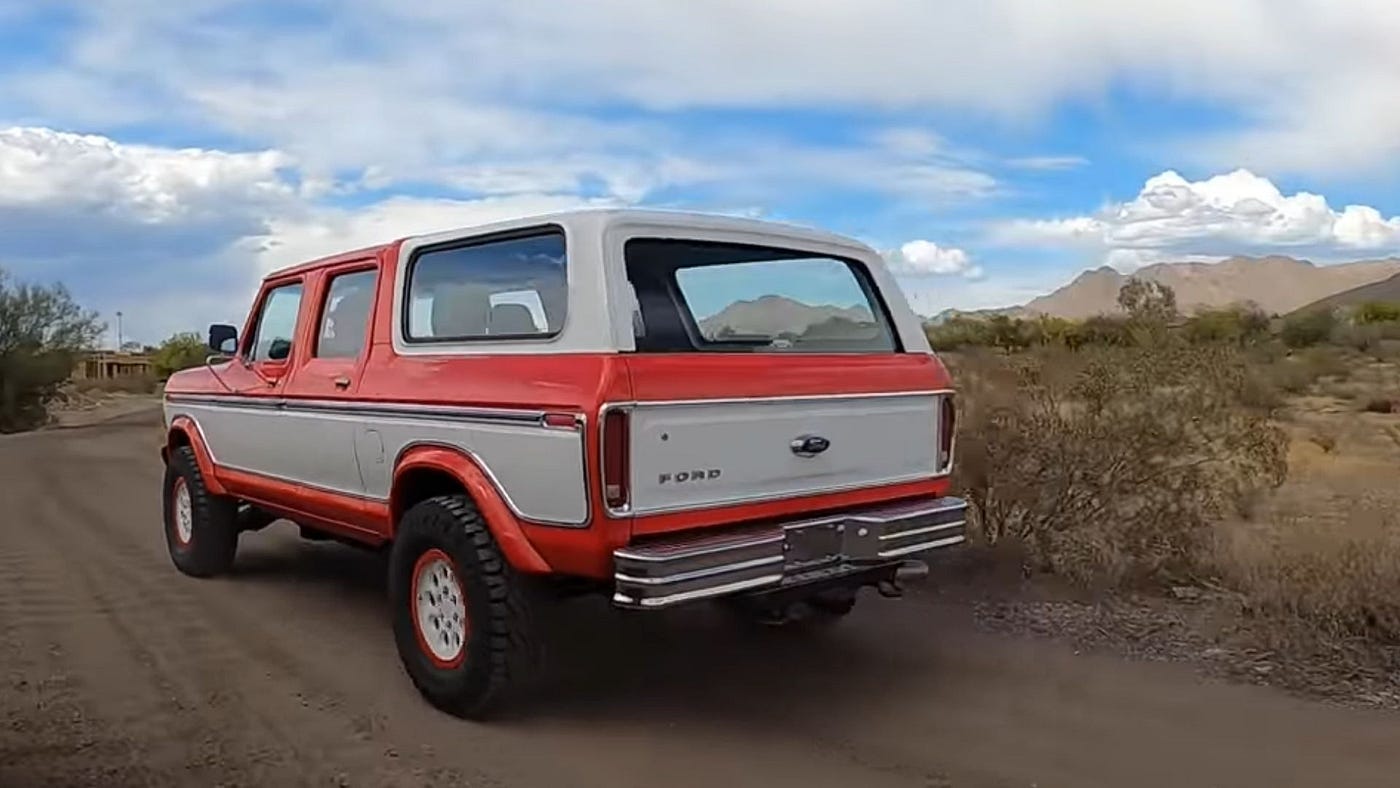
708 564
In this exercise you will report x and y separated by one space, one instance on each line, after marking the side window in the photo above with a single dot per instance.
509 288
277 323
345 315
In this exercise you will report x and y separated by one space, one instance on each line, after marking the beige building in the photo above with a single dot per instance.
110 365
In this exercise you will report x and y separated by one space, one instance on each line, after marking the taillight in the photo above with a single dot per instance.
947 427
616 459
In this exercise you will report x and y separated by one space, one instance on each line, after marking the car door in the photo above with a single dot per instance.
243 429
320 392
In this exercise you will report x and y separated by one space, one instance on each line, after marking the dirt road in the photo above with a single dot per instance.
118 671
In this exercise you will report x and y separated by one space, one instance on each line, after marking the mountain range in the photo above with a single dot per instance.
772 315
1277 285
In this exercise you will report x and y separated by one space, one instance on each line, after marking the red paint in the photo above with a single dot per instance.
428 556
563 385
503 524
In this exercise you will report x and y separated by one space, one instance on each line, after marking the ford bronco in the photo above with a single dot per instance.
665 407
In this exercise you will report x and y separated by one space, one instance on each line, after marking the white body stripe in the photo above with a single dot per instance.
538 470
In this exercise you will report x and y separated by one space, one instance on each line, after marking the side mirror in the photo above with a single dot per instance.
223 339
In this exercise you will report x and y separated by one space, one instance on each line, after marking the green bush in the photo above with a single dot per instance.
42 330
1236 325
1377 312
1308 328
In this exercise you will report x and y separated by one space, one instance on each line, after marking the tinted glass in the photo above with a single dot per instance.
514 288
277 324
345 315
728 297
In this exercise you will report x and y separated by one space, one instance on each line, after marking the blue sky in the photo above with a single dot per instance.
160 157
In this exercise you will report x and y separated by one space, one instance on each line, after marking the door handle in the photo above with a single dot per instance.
342 382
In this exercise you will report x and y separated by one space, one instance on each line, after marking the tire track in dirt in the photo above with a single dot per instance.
197 645
49 713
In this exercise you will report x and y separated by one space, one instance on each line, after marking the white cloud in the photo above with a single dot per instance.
1047 162
40 167
326 231
1316 80
920 258
1238 212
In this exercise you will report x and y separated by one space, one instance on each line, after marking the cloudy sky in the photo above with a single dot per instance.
159 157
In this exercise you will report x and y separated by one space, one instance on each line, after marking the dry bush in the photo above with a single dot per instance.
1110 463
1319 585
1379 405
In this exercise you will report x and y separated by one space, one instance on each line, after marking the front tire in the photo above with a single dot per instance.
200 529
461 620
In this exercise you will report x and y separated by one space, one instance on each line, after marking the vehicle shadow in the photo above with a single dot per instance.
698 662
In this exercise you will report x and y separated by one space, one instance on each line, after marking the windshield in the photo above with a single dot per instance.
705 296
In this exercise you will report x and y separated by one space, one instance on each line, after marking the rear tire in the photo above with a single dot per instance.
201 531
461 618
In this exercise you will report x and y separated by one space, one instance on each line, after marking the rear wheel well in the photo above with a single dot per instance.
419 484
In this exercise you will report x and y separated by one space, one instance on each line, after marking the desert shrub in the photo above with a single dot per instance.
1308 328
1363 338
1379 405
1235 324
41 332
1316 585
1377 312
1108 464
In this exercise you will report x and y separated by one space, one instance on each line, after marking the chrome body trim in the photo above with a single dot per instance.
699 565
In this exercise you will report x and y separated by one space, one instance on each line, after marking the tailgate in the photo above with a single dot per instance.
713 452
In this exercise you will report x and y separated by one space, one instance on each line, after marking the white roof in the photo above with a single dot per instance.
601 219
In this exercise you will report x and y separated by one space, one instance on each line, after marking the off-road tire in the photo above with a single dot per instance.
213 534
500 650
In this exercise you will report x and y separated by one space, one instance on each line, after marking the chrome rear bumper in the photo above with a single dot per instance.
694 566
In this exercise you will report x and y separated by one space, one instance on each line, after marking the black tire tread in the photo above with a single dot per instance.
452 523
215 539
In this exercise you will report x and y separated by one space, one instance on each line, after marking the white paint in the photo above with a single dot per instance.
696 454
184 513
539 471
440 609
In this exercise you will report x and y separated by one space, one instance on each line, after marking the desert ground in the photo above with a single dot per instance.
118 671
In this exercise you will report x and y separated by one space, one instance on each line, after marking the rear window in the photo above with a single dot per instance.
702 296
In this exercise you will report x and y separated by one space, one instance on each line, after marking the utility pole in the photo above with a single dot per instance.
119 332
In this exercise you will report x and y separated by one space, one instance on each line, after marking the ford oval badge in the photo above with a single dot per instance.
809 445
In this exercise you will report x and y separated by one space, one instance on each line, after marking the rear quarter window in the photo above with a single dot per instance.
502 288
717 297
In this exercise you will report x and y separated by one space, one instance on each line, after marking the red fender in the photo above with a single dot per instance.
499 518
184 430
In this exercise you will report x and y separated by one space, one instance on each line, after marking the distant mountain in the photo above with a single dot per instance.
1275 284
1384 290
772 315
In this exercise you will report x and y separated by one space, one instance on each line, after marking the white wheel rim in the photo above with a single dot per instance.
441 611
184 513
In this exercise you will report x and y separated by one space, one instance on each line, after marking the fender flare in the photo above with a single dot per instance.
500 520
184 430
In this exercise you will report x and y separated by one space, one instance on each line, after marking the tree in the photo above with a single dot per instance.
179 351
42 331
1147 301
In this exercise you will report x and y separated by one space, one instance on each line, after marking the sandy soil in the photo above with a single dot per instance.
118 671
